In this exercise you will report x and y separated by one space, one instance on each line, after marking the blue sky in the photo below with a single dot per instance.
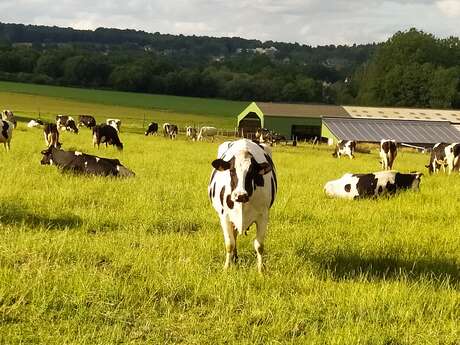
314 22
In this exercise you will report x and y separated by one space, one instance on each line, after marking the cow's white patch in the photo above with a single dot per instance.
118 168
78 153
97 159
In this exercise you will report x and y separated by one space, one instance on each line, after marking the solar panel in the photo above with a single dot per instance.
403 131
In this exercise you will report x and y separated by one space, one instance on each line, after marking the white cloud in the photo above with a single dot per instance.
304 21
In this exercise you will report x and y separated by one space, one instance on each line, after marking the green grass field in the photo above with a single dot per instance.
87 260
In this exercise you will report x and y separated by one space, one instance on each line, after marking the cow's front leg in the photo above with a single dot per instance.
229 238
259 240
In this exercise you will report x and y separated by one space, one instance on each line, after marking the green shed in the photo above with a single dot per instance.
301 121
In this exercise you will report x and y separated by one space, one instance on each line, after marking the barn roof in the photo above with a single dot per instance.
404 113
301 110
403 131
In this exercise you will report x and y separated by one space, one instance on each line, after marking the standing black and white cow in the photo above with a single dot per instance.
207 132
8 115
191 132
79 162
170 130
345 147
6 133
51 134
353 186
242 189
106 134
115 123
87 121
438 158
453 156
152 128
263 135
67 123
388 152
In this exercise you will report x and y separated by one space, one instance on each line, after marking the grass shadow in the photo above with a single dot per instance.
12 214
344 265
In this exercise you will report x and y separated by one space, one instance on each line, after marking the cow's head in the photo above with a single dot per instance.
47 158
245 172
119 146
71 126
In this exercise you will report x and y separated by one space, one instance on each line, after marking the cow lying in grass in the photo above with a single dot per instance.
83 163
353 186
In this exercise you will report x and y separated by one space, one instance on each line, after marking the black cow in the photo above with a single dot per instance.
51 134
87 121
79 162
152 128
67 123
106 134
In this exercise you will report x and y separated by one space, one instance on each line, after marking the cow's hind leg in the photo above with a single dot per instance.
230 243
259 241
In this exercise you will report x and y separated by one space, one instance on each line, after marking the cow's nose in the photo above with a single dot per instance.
241 197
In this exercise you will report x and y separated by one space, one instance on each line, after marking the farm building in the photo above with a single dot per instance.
369 124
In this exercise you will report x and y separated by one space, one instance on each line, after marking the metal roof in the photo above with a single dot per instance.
403 131
404 113
301 110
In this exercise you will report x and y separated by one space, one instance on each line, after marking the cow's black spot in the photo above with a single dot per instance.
221 196
390 187
348 188
273 191
366 184
404 181
5 129
213 189
212 175
380 190
230 203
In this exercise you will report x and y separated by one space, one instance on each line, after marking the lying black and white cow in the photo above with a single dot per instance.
87 121
115 123
51 134
388 152
106 134
152 128
191 132
345 147
242 189
35 123
8 115
353 186
170 130
67 123
6 133
83 163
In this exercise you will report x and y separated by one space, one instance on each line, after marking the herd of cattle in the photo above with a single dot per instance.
243 183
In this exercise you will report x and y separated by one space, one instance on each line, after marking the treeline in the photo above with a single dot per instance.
412 68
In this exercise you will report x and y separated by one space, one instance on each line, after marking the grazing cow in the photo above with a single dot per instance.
242 189
437 158
83 163
35 123
263 135
66 123
191 132
106 134
115 123
388 152
6 133
51 134
452 157
8 115
345 147
87 121
353 186
152 128
206 132
170 130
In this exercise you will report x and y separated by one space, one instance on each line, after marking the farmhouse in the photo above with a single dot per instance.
363 124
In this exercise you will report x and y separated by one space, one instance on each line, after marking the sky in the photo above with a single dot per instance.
312 22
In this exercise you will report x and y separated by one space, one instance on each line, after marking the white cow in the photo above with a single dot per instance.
242 189
115 123
388 152
206 132
6 133
35 123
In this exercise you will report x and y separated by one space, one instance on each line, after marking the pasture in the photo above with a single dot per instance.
90 260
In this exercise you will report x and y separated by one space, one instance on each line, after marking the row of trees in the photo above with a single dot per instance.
412 68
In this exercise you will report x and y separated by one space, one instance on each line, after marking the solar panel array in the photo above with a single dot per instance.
403 131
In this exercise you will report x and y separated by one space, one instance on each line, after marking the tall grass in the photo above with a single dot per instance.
88 260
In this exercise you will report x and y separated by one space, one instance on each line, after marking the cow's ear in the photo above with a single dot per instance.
220 164
264 168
